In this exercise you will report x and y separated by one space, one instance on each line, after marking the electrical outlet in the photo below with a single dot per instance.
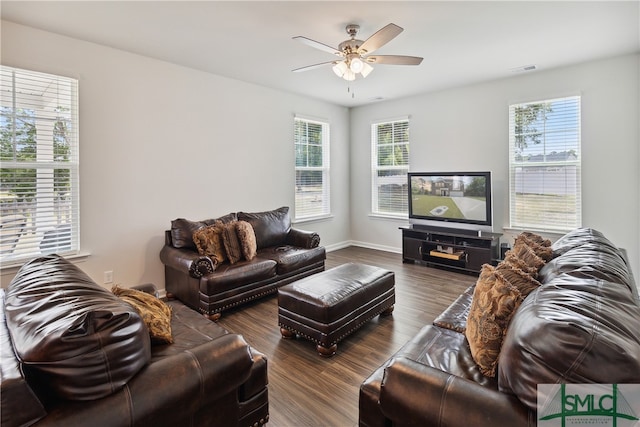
108 277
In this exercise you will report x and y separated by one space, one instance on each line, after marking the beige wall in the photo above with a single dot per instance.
466 128
159 141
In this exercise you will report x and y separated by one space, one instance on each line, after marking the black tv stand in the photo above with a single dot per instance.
461 249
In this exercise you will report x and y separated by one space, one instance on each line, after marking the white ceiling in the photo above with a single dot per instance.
461 42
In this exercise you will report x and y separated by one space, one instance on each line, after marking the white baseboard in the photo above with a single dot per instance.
367 245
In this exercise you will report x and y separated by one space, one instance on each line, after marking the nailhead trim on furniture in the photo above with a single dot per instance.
341 337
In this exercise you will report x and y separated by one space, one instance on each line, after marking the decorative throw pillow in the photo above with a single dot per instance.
154 312
231 243
536 238
527 254
492 307
247 239
522 280
209 242
540 246
514 261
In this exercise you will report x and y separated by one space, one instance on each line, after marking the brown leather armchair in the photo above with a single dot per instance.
74 354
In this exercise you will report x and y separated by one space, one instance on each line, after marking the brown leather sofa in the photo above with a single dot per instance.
74 354
581 325
284 255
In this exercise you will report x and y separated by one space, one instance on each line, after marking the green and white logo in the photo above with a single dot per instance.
563 405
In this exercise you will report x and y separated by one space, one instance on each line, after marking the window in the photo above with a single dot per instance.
311 139
544 165
39 164
389 167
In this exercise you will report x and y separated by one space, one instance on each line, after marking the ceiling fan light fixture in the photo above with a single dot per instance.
349 75
340 68
356 64
366 69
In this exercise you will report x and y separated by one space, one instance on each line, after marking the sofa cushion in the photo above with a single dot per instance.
591 260
154 312
73 337
189 329
182 230
182 233
237 277
292 258
247 239
492 307
208 241
270 227
231 243
579 237
571 330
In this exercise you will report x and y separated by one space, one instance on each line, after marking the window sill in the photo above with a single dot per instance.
14 265
312 219
389 217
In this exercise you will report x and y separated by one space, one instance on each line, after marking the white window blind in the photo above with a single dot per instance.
544 165
311 140
389 167
38 164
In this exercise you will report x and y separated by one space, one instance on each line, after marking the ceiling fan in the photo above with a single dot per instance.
356 55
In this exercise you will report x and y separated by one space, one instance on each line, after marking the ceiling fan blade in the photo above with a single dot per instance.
314 66
380 38
318 45
394 59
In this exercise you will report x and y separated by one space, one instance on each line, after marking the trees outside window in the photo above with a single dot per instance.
39 164
311 140
545 165
389 167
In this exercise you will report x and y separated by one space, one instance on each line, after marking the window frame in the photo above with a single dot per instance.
305 213
522 215
48 221
376 167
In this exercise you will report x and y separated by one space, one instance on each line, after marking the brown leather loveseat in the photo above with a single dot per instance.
580 325
210 281
74 354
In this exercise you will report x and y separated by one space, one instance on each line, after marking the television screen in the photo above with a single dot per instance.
463 197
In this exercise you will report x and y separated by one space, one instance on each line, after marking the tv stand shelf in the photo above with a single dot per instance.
455 248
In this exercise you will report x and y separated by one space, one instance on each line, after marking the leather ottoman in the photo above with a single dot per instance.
328 306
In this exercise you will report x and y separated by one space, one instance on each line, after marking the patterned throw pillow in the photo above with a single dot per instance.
522 280
154 312
541 247
247 239
209 242
527 254
231 242
514 261
492 307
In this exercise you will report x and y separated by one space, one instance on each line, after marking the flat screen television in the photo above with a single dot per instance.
454 197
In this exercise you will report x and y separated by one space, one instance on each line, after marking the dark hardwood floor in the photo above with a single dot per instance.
306 389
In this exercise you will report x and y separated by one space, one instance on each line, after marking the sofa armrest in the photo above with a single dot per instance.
417 394
195 384
302 238
190 262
